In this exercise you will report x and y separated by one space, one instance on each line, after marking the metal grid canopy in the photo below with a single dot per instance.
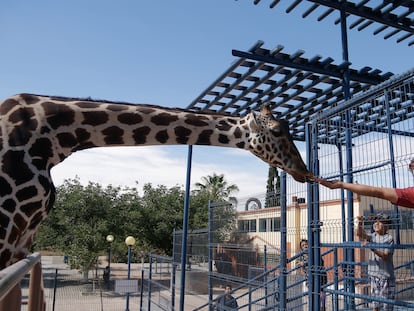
295 87
391 17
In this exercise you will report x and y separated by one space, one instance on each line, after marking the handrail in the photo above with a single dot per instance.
12 275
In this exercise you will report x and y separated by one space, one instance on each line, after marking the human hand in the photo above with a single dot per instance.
331 184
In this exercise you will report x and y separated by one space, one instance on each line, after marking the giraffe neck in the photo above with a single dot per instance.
75 125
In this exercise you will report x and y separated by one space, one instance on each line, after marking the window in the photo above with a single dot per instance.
269 224
247 225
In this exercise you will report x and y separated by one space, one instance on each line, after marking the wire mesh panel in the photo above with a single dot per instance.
196 266
159 284
68 289
367 140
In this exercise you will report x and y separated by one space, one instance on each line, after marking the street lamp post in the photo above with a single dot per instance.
129 241
109 239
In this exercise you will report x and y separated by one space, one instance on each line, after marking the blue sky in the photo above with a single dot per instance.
164 53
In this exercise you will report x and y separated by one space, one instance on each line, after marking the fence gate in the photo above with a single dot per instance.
369 140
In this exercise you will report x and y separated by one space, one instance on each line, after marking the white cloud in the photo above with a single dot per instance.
124 166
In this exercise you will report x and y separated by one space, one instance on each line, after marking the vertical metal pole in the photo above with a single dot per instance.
109 267
54 290
283 244
343 214
311 225
316 229
185 228
392 158
129 277
251 276
349 252
265 273
336 280
174 271
149 283
142 290
210 256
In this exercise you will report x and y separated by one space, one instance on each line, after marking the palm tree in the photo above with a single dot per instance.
217 188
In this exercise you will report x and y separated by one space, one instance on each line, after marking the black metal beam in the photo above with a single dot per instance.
314 67
391 19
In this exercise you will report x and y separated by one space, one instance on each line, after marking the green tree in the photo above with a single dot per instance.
83 216
161 212
81 219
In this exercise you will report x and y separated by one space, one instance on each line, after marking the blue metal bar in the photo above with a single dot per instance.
316 245
142 291
265 273
210 256
336 277
341 171
149 283
309 274
174 271
185 228
392 158
54 290
349 253
129 277
283 242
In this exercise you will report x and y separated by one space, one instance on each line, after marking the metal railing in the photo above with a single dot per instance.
10 291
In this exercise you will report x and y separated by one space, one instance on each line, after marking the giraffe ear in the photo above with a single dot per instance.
265 110
253 123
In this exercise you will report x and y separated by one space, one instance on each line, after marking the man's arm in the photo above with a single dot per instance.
388 194
360 232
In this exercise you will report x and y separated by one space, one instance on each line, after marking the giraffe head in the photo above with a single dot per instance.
270 140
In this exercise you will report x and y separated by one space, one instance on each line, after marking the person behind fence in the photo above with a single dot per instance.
303 264
380 264
399 196
227 302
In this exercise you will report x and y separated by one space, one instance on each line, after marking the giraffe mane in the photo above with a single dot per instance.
96 100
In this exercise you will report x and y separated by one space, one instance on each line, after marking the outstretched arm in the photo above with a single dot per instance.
377 192
360 232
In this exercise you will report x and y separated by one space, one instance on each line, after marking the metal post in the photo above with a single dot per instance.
129 277
336 280
149 283
265 273
174 271
210 256
54 290
109 267
185 229
283 244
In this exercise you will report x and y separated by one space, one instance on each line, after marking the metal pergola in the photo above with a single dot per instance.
295 87
298 87
392 18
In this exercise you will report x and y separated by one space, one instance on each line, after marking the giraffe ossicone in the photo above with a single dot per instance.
37 132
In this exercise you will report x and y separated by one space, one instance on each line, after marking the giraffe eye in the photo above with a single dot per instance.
276 132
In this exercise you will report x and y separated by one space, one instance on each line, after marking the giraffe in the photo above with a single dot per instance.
37 132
